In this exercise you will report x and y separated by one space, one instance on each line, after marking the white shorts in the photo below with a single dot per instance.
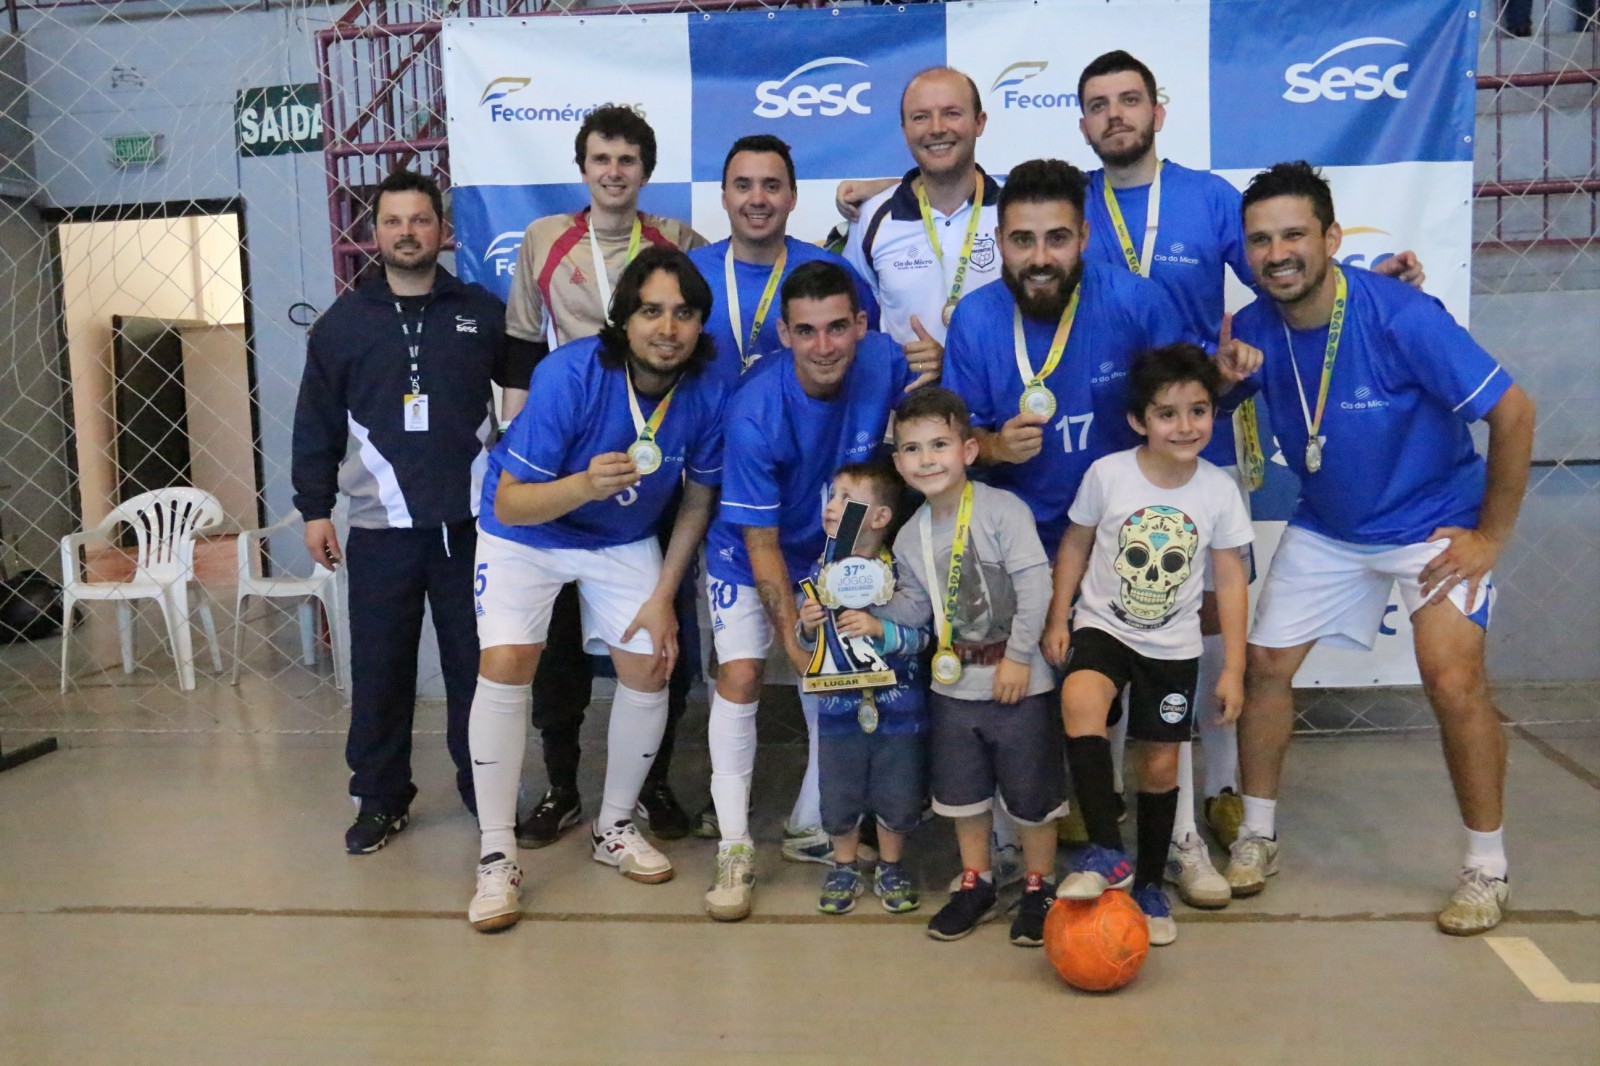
740 627
515 586
1319 588
1247 552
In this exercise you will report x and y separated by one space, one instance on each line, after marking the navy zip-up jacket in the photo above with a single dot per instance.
349 422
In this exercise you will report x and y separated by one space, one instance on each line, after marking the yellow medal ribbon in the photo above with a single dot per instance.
966 246
601 279
1341 294
1247 449
1138 262
644 451
944 618
1058 345
761 308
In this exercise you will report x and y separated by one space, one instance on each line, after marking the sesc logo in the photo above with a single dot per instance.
1369 81
1364 259
802 101
501 257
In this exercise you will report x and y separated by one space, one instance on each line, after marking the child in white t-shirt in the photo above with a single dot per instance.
1145 524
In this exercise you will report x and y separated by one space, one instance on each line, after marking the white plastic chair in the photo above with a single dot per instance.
322 586
165 522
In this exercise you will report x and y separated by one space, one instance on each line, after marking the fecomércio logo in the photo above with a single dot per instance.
1017 94
530 108
500 258
1380 66
500 88
803 92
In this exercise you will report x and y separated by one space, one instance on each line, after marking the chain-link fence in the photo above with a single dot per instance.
184 186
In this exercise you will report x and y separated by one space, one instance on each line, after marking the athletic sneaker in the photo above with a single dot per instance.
975 903
1189 867
1251 860
705 825
895 889
499 887
658 806
1477 904
372 829
1094 871
622 846
1027 929
1158 912
731 892
840 890
1225 816
809 843
557 812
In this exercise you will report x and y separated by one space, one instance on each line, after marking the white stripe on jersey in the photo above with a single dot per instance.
1484 384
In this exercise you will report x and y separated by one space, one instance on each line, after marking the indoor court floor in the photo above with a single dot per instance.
181 895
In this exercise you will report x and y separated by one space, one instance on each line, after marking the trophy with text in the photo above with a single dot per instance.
846 582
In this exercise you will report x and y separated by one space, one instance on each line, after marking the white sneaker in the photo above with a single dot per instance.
1189 867
622 846
735 884
809 843
499 888
1251 860
1477 905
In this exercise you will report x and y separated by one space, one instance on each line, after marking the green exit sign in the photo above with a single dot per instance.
134 149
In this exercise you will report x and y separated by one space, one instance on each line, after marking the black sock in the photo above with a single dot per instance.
1157 811
1089 760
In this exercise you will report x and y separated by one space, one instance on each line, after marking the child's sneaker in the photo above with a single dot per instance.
839 891
1027 929
728 899
1095 871
1158 912
895 889
809 843
969 907
622 846
494 906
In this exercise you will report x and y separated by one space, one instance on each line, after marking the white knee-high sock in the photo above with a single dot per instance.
807 808
637 721
731 735
1183 820
1219 744
497 734
1118 736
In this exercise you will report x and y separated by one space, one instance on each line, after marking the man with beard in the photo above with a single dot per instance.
394 410
1180 228
1378 386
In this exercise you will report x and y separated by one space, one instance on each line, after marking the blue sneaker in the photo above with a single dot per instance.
895 889
840 890
1158 912
1095 871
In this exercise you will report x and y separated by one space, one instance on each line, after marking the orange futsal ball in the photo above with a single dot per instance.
1097 945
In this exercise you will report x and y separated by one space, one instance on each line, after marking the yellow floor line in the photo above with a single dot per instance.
1547 983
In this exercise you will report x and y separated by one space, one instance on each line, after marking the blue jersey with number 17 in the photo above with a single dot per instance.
577 409
1119 315
783 448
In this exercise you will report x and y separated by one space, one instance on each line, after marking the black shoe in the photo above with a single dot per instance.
557 812
659 807
1027 930
371 830
969 907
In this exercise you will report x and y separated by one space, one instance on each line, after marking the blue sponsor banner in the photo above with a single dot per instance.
826 82
490 219
1342 83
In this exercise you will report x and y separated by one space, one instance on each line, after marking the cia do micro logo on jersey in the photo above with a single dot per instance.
805 100
1368 81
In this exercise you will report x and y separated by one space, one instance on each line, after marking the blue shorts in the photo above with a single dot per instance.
885 774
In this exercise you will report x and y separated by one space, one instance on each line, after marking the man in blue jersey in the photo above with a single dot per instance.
1384 384
797 416
1180 228
746 270
574 492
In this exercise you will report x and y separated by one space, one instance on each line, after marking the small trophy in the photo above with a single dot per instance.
847 582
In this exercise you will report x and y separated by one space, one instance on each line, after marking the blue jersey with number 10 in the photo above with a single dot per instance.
577 409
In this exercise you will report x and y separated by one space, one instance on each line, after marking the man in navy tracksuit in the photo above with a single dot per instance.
395 411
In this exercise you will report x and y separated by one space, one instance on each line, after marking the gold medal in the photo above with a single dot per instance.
949 311
947 667
1037 400
1313 455
867 713
646 456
